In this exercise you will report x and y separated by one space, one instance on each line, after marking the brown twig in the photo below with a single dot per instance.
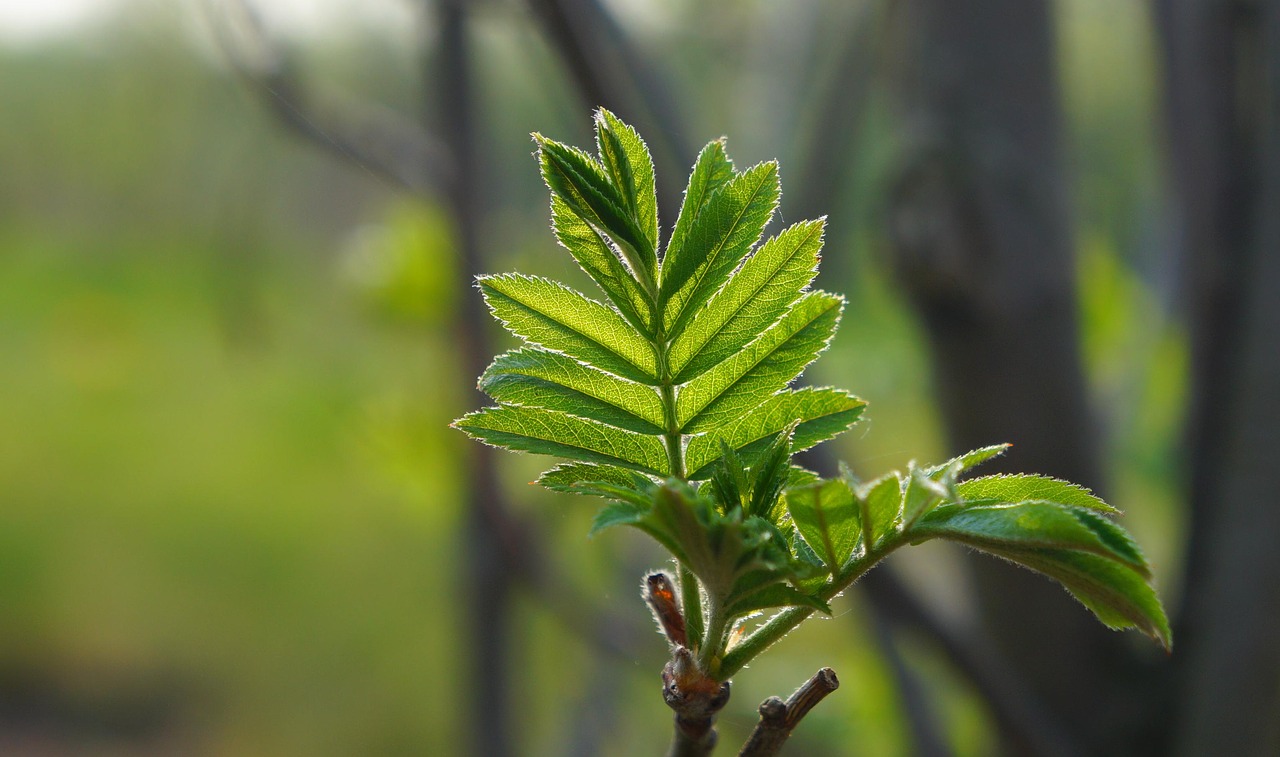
778 718
373 137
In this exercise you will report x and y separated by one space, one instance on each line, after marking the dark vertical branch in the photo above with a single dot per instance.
607 70
1222 91
1019 716
488 575
980 234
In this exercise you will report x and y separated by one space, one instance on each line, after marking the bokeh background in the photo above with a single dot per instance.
234 326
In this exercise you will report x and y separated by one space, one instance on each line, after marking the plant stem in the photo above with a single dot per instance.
710 650
784 622
691 601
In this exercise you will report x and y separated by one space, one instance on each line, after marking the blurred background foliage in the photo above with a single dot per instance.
229 498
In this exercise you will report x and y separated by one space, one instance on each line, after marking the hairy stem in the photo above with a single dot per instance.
691 601
784 622
717 623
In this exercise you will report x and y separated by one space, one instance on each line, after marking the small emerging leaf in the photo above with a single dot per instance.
969 459
921 495
826 515
880 503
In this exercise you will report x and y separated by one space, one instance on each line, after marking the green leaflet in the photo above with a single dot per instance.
1118 595
826 515
538 378
576 478
730 221
823 414
755 296
1034 525
580 181
711 171
968 460
1020 487
544 312
879 504
627 160
548 432
595 256
769 363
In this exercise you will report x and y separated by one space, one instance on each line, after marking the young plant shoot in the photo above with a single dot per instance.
671 400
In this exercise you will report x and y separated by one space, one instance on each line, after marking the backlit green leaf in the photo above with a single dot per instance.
1020 487
558 318
711 171
584 478
581 182
538 378
730 222
826 515
755 297
547 432
602 263
626 158
823 414
774 359
1033 524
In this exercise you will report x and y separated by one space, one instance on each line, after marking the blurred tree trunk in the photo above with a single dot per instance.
980 234
490 551
1222 85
